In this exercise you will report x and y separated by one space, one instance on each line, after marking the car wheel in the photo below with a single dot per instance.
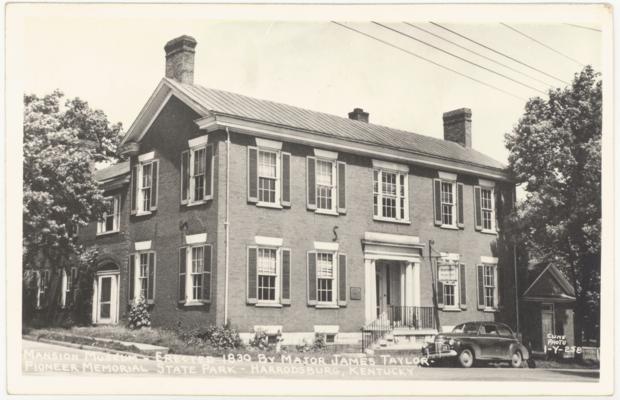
516 359
466 358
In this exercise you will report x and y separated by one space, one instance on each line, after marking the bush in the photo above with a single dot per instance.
318 344
220 337
260 340
139 315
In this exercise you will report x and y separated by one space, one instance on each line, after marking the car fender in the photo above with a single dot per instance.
518 346
471 345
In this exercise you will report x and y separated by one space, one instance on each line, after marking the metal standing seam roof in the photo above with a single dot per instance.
112 171
232 104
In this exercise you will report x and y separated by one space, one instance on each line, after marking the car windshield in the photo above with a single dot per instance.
466 328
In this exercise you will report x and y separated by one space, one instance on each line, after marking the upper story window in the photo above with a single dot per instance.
485 214
390 192
448 201
197 172
326 187
451 283
269 273
144 177
195 267
448 204
110 220
268 177
269 174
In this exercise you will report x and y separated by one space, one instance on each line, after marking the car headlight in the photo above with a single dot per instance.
451 342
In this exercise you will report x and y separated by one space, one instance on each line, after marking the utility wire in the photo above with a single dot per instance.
583 27
542 44
499 52
428 60
478 54
459 57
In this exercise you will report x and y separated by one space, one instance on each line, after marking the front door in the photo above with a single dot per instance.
106 299
382 293
548 321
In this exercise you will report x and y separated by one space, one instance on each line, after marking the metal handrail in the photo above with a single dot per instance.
412 317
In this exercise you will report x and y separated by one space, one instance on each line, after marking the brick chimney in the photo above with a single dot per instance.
457 126
359 115
180 59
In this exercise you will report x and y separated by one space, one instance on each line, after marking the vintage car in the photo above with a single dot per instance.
477 341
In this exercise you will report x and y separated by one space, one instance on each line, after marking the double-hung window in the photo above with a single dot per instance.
447 204
390 192
110 219
326 183
325 278
484 207
448 201
142 276
268 273
144 177
195 268
43 280
451 283
488 299
197 172
268 177
269 174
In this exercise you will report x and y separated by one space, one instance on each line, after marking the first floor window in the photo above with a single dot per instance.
142 276
325 185
195 274
267 271
43 279
486 203
111 216
449 278
447 203
267 176
197 271
325 277
489 281
390 194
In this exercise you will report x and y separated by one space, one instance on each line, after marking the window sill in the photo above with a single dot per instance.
452 308
193 303
452 227
489 231
195 203
326 212
268 305
326 306
107 233
268 205
490 310
142 213
395 221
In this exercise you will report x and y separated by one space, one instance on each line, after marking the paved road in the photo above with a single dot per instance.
47 359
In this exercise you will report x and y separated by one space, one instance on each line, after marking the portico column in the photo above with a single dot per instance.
370 292
403 290
409 287
416 284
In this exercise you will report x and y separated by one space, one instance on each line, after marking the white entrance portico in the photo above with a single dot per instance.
392 275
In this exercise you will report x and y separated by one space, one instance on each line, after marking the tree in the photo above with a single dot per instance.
61 146
555 150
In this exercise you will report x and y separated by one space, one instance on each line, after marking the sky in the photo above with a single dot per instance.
115 62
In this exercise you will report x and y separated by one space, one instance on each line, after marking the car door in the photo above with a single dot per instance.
506 339
488 339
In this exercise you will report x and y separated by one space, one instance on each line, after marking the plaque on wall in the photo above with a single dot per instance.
356 293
